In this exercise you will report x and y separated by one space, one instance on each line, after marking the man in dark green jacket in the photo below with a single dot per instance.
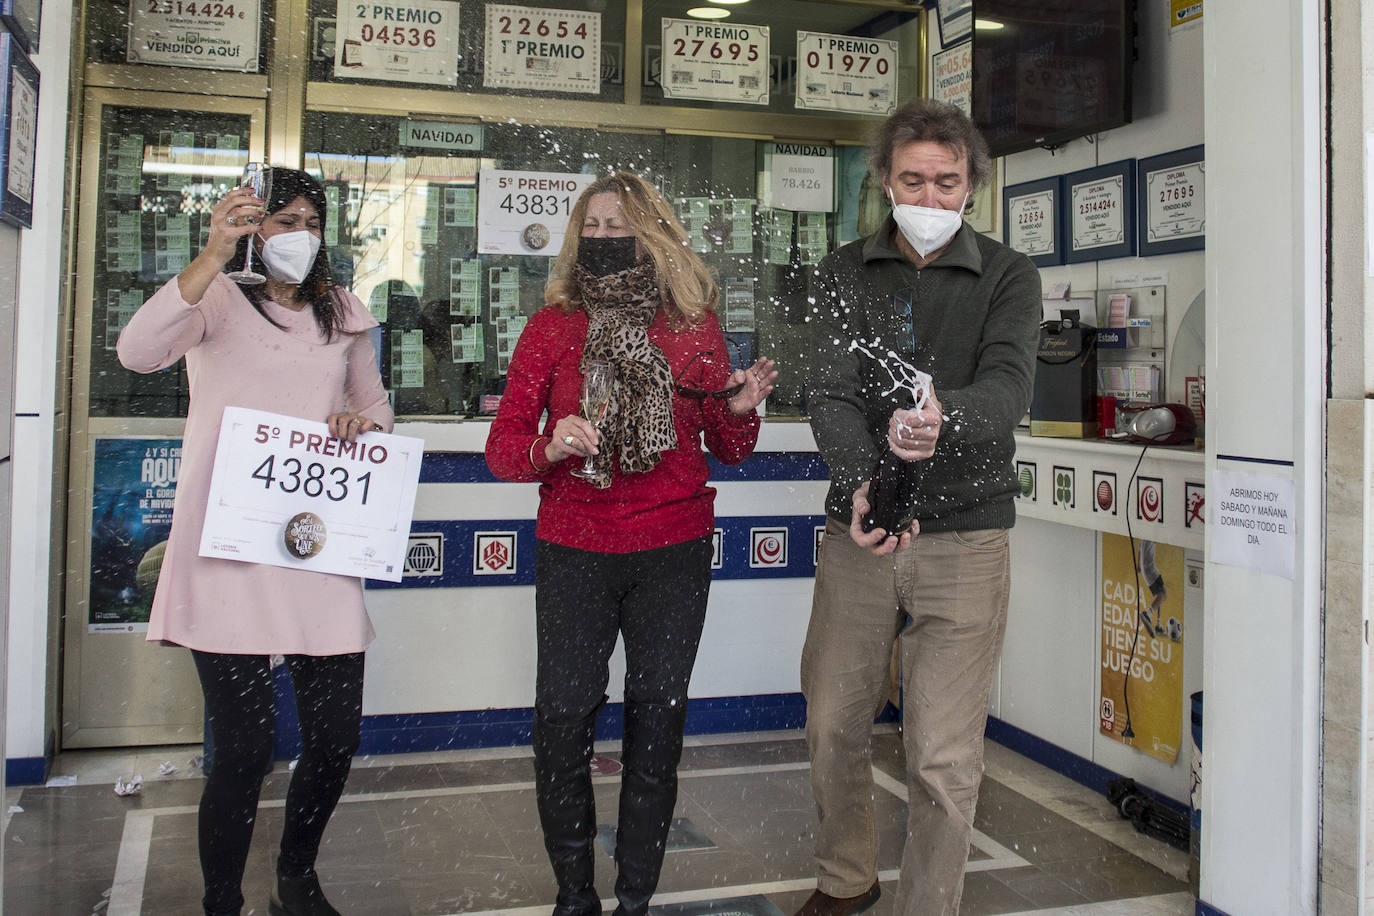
927 291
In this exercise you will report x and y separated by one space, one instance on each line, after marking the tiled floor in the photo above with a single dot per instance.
457 832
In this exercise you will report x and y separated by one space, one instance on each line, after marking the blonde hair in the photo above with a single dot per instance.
685 287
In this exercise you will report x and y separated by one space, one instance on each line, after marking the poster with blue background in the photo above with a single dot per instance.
134 485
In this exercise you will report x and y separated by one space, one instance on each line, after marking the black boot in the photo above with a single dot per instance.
567 810
652 747
299 896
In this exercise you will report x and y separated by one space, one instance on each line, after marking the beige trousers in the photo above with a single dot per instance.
954 586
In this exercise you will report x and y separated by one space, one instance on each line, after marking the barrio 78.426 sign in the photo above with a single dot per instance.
195 33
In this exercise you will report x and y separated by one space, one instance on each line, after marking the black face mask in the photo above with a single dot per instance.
602 257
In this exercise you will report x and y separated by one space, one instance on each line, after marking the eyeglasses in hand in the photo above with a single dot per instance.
701 394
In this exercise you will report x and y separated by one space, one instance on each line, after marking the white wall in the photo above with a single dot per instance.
38 358
1265 260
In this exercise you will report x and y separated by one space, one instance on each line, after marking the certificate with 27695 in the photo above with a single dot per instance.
287 493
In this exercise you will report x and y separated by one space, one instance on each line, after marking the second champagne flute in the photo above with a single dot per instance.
258 176
597 382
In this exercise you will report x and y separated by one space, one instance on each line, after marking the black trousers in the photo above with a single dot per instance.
656 599
240 707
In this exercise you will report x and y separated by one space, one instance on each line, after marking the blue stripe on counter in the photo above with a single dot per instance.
470 467
473 554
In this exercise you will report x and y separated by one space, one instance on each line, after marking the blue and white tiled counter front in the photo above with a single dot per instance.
453 663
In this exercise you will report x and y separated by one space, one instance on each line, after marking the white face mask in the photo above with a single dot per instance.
290 255
927 229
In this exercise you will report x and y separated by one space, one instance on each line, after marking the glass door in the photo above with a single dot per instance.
153 166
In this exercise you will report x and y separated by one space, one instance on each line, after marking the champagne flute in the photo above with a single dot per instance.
597 383
258 176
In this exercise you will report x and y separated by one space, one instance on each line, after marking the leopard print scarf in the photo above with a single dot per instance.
638 424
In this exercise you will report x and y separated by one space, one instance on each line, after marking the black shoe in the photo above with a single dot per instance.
822 904
299 897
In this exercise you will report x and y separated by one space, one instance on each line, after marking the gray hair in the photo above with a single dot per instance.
929 120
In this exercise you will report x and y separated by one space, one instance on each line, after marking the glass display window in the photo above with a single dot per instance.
406 240
573 49
160 173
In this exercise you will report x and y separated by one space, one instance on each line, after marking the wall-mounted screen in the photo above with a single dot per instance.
1048 72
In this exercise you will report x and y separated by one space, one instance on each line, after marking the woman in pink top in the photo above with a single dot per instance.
296 345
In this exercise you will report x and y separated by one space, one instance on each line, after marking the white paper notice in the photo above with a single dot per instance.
23 129
1252 523
404 41
214 36
844 73
803 177
525 212
707 60
543 49
286 493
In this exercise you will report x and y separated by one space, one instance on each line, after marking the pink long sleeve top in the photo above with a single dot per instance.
668 505
236 358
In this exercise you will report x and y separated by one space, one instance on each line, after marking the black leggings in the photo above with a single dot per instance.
239 704
655 599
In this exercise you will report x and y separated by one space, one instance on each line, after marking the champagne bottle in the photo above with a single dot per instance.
891 495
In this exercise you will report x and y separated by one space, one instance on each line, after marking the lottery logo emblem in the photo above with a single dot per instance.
1025 479
1194 501
535 236
768 548
424 555
1150 499
493 553
1104 492
1064 486
305 535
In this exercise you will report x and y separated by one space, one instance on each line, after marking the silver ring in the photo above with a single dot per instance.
568 440
230 220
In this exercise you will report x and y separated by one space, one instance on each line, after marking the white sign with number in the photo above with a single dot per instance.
711 60
525 212
195 33
286 493
542 49
844 73
1030 223
404 41
802 178
1098 212
1175 203
951 76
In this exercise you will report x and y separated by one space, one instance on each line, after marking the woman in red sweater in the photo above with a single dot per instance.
628 551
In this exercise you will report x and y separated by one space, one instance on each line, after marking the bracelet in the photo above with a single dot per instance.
533 464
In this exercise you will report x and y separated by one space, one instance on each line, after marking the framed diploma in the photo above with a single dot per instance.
1030 213
1099 213
1172 203
18 133
286 493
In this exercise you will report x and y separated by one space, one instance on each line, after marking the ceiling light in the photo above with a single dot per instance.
983 25
708 12
727 2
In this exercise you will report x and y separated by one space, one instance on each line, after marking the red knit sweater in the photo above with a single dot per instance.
667 505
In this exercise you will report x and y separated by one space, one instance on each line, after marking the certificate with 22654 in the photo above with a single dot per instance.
287 493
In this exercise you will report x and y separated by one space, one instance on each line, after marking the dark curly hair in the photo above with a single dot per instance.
929 120
318 288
